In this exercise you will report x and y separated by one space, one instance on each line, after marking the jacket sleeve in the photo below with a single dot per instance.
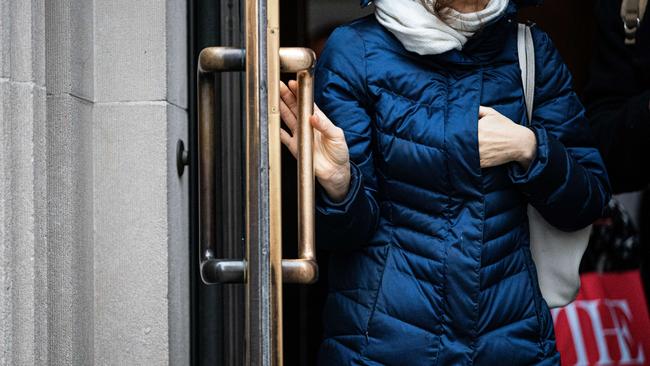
567 181
340 91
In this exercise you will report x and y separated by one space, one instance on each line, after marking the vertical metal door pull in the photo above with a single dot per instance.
211 60
303 270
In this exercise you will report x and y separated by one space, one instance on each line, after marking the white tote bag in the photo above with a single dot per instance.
557 254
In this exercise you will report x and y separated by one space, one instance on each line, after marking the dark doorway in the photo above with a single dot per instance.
217 311
305 23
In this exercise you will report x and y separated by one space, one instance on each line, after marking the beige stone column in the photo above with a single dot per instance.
93 216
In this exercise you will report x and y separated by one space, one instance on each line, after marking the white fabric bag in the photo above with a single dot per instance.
557 254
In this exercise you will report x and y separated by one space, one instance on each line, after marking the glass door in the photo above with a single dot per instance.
260 270
217 309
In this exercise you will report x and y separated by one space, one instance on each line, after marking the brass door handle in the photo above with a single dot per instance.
303 270
213 270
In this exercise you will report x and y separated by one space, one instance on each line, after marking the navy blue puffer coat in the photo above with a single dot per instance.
430 261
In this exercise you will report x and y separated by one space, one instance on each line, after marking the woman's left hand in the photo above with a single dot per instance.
501 141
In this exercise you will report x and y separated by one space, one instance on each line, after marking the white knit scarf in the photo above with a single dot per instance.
424 33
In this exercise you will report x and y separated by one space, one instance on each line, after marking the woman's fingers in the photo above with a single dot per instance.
323 125
293 85
289 113
289 97
288 117
484 111
290 142
315 121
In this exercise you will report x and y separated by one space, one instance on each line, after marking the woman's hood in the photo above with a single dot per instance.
519 3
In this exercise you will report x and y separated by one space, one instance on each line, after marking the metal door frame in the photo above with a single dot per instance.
260 318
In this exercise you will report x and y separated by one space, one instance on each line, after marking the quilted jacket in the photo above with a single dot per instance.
430 261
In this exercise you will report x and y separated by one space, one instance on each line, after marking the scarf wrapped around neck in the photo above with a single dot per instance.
423 32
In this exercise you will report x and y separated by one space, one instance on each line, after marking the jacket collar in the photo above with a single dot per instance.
485 45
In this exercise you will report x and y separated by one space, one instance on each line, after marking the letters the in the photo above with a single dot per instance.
621 316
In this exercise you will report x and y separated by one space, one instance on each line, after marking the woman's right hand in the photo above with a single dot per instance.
331 156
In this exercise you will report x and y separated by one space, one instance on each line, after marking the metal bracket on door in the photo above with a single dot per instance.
220 59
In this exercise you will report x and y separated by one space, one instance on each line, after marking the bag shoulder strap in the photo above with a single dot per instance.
526 54
632 12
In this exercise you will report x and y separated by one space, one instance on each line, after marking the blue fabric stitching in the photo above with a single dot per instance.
443 286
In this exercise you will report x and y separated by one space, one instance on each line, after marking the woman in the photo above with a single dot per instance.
425 171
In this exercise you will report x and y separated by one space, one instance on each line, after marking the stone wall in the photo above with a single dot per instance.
93 233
